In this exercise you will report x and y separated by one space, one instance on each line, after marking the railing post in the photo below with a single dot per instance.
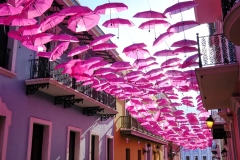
199 54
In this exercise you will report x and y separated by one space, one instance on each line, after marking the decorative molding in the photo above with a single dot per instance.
31 89
105 117
234 104
67 100
91 111
7 73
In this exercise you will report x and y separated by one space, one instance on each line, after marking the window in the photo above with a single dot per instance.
187 158
4 51
109 148
5 122
195 157
204 157
127 153
139 155
39 139
73 143
94 147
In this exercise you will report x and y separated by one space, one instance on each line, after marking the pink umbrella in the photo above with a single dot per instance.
41 38
121 66
136 50
182 26
17 20
92 60
72 10
104 46
163 53
171 62
44 54
134 74
147 66
110 8
58 50
143 62
78 50
30 45
29 30
101 39
103 71
50 22
180 7
98 65
151 24
36 8
16 3
65 37
149 14
190 60
117 22
8 10
185 49
184 42
83 21
16 35
162 37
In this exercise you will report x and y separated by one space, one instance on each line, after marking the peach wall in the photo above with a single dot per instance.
132 142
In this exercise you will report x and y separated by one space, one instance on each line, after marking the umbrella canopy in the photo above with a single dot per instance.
83 21
29 30
184 42
58 50
8 10
149 14
152 24
41 38
179 7
50 22
182 26
117 22
164 53
78 50
109 8
185 49
65 37
136 50
104 46
17 20
101 39
190 60
72 10
36 8
162 37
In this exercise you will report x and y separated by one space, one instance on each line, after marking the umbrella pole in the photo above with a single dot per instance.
118 33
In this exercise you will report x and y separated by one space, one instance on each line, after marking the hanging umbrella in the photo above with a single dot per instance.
164 53
83 21
50 22
182 26
36 8
171 62
29 30
190 60
30 45
104 46
136 50
185 49
109 8
162 37
16 3
143 62
65 37
152 24
78 50
17 20
179 7
8 10
121 66
149 14
73 10
98 65
101 39
41 38
184 42
16 35
58 50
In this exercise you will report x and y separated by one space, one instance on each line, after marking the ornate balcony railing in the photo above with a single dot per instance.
128 122
216 117
227 6
215 49
42 68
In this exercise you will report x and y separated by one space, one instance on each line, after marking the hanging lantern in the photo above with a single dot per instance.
210 122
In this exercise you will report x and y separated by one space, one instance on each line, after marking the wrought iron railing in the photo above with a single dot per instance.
128 122
227 6
215 49
216 117
42 68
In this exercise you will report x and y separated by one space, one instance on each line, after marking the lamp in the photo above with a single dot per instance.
224 152
210 122
148 150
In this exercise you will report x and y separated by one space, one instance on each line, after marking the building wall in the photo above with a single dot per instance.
198 152
41 105
122 142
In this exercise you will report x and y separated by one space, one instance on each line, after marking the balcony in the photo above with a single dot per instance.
218 73
67 91
207 11
231 17
131 126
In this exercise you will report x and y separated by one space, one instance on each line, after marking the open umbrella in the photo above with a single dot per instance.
120 66
104 46
36 8
83 21
185 49
136 50
29 30
101 39
72 10
164 53
149 14
162 37
182 26
179 7
58 50
41 38
16 3
151 24
50 22
78 50
17 20
184 42
65 37
190 60
8 10
109 8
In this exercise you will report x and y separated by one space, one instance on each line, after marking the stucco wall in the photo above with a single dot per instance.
41 105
